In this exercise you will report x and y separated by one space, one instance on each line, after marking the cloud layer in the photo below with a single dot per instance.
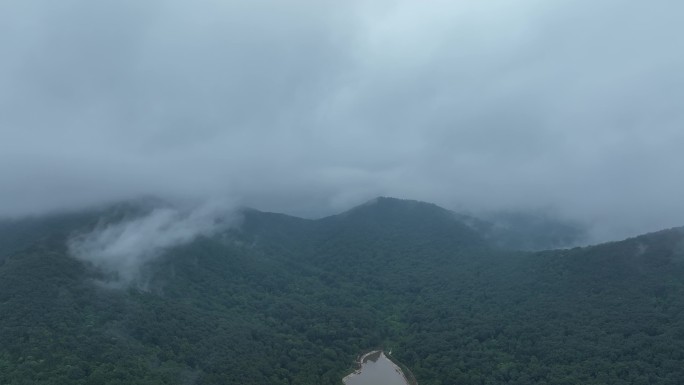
310 107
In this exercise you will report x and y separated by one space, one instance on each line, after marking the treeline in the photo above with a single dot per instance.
289 301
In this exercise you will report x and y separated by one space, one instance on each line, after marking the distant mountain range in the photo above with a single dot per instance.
143 292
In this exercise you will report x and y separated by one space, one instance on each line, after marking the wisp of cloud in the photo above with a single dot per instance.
122 249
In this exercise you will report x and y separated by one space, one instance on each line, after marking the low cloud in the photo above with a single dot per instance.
121 250
311 107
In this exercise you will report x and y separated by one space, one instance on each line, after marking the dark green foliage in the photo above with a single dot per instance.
284 300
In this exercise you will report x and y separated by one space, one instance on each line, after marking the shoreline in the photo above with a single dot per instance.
358 364
403 370
409 379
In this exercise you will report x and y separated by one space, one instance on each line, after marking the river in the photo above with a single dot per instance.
376 369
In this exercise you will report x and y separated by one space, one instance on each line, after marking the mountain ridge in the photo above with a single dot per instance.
285 300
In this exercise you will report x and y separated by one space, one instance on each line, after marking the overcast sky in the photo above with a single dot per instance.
310 107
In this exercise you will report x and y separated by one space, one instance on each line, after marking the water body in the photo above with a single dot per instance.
376 369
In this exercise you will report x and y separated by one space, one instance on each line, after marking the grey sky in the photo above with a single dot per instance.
309 107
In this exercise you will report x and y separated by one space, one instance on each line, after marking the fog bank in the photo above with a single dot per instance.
310 108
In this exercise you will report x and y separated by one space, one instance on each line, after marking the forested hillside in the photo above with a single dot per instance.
285 300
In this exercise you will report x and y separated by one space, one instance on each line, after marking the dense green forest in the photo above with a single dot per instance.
285 300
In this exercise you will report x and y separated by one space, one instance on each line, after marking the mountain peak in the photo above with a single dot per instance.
389 204
406 218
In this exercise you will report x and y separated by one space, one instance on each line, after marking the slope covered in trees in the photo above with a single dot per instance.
285 300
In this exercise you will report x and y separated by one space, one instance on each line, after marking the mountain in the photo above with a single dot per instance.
285 300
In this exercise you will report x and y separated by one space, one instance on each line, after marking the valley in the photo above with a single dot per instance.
285 300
